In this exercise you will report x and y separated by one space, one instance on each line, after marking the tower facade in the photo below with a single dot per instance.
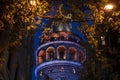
60 55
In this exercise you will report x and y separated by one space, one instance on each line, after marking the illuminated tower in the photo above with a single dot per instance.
60 55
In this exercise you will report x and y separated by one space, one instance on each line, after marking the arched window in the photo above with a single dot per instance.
82 57
41 56
61 52
72 53
50 53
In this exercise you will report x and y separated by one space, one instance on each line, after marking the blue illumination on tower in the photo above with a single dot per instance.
60 54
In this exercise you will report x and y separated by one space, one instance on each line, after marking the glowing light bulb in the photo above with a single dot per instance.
109 7
33 2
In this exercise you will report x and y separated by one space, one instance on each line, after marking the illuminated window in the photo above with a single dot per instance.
72 53
61 52
50 53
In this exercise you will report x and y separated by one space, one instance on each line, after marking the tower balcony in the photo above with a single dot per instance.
60 55
60 50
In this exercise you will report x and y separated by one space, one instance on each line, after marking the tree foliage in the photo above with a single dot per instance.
17 17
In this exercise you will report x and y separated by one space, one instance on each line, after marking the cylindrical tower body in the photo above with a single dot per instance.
60 55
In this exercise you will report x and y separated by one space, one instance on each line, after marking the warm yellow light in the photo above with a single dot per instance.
109 7
33 2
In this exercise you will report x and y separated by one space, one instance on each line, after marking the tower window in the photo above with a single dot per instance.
40 56
82 57
50 53
61 52
72 53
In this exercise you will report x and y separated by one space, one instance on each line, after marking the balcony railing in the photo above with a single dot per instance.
71 38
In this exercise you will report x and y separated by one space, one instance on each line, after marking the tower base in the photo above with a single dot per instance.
58 70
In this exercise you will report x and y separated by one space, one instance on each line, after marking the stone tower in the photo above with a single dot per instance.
60 55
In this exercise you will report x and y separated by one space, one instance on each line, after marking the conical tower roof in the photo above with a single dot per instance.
61 27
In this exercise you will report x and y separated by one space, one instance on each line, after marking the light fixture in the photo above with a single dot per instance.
109 7
73 70
33 2
41 73
62 69
103 40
